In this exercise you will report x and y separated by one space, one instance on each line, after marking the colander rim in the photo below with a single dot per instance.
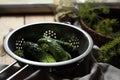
26 61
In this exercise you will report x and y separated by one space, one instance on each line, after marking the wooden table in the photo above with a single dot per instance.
9 22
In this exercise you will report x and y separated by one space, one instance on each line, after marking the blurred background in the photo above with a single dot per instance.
44 1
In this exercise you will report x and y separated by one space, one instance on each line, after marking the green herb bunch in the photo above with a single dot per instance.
109 50
91 17
105 26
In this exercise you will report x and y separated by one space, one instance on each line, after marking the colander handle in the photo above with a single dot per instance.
67 22
76 23
95 47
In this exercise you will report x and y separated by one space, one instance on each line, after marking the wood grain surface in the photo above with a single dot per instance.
8 23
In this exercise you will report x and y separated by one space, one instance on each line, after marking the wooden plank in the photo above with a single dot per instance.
38 18
8 23
25 1
26 6
49 18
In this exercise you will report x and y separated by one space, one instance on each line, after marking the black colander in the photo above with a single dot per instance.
32 32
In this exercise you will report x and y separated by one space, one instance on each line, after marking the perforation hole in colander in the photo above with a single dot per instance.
19 43
74 41
50 33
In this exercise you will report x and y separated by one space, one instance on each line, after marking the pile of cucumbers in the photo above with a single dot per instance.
46 49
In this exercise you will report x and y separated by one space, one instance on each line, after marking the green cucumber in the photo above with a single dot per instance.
34 52
57 51
46 57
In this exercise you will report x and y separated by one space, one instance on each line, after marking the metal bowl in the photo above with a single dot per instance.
70 33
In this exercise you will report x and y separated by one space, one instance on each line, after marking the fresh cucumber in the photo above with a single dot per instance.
58 52
46 57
